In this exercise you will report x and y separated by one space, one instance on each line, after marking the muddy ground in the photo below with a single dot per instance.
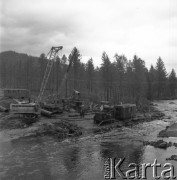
68 124
60 126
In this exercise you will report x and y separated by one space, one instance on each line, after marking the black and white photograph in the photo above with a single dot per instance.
88 89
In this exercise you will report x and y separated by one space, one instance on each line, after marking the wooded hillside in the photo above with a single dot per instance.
117 80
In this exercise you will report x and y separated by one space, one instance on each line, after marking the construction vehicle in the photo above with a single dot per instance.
74 102
22 104
27 110
51 56
47 109
110 113
18 102
50 105
33 109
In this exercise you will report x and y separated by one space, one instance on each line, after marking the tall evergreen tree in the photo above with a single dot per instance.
172 83
120 64
76 66
161 77
151 78
64 59
106 76
42 63
140 81
90 75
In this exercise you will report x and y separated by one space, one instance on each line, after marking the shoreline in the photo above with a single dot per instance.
35 129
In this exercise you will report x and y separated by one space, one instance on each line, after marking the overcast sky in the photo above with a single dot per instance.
146 28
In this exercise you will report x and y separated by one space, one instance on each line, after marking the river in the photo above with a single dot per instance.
45 158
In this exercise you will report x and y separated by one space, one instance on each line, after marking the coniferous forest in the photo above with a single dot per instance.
116 80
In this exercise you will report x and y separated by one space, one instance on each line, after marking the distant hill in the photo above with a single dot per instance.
13 53
15 56
17 68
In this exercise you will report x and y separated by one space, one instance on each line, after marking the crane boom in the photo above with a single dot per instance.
51 56
67 72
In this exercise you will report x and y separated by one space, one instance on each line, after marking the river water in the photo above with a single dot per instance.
83 158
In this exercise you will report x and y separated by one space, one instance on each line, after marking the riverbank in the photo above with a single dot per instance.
66 125
14 128
83 157
170 131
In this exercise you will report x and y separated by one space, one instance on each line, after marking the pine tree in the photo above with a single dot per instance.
140 81
120 64
172 83
161 77
106 76
151 78
64 59
42 63
90 75
76 66
129 80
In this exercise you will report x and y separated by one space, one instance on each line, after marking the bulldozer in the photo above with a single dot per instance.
108 113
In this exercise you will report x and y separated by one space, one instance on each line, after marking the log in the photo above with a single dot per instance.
46 113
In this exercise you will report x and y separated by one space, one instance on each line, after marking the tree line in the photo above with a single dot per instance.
117 80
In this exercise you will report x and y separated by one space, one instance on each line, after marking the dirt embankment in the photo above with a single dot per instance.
60 130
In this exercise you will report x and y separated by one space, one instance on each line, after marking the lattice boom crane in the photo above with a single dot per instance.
51 56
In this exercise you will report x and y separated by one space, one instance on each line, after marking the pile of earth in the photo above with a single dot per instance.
60 129
16 122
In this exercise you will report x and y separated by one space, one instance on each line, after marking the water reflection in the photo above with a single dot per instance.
71 161
20 161
131 152
38 159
